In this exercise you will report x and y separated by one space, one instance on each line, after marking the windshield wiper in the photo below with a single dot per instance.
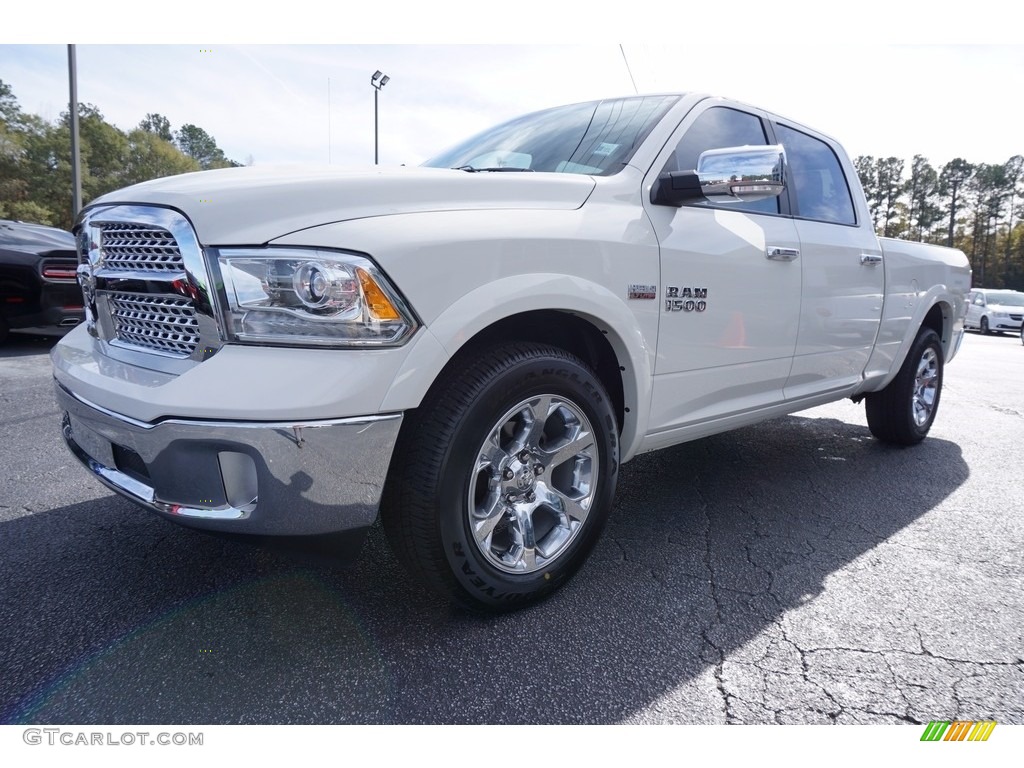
495 169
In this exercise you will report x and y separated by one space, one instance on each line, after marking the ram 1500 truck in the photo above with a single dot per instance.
473 347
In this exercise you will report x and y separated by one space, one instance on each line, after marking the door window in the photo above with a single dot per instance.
716 128
821 189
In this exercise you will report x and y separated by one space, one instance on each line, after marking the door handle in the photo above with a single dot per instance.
870 259
775 253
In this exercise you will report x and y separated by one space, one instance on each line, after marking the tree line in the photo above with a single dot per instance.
976 207
35 158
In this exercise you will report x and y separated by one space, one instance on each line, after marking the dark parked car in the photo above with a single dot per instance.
38 290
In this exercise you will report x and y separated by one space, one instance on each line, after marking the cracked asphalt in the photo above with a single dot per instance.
793 572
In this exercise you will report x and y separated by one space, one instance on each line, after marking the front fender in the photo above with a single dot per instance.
490 303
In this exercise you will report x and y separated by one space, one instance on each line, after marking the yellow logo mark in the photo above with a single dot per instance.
958 730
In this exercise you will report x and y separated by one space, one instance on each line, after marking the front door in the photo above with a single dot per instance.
730 292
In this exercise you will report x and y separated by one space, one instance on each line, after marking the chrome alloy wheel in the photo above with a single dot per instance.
926 388
533 483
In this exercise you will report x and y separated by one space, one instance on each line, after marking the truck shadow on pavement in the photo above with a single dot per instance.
114 616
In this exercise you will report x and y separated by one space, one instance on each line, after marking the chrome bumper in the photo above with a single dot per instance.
259 478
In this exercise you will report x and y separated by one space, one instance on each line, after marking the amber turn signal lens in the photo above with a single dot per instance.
378 304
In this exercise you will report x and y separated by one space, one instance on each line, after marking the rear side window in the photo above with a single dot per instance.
821 189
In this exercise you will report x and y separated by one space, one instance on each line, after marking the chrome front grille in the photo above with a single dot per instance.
149 300
130 246
163 324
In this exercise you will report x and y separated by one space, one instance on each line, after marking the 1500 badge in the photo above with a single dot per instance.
685 299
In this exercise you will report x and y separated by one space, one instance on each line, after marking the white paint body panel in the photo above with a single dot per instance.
251 206
469 250
840 307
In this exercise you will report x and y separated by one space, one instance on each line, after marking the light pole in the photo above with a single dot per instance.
378 81
76 163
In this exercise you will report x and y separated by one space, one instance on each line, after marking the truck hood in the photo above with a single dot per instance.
251 206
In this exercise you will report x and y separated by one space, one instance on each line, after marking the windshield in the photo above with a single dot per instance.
595 138
1007 298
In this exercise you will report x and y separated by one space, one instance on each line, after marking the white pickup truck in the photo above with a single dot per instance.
471 348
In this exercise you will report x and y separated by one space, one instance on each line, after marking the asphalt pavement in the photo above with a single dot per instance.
797 571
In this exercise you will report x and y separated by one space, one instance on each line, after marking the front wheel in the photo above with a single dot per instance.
903 412
984 326
504 477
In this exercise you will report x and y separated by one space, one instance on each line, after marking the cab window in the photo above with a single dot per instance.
821 189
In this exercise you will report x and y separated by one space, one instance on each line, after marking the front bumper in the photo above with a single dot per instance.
280 479
1011 323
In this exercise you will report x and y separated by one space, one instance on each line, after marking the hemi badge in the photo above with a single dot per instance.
642 292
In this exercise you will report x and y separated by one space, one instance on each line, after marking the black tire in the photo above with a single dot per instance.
476 456
1022 334
5 330
983 327
904 411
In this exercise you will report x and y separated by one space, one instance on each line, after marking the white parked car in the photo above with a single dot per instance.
995 311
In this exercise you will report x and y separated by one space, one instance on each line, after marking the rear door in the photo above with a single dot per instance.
843 271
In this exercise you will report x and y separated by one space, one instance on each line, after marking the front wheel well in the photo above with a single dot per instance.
564 330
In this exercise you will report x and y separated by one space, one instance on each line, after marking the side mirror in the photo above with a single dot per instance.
730 175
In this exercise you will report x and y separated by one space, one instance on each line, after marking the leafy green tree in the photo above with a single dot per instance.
13 188
35 163
890 189
104 152
151 157
10 112
989 193
955 174
867 172
201 146
47 161
46 169
158 125
1014 172
882 180
923 212
26 210
1013 277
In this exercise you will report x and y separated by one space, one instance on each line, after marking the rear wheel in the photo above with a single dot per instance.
504 477
903 412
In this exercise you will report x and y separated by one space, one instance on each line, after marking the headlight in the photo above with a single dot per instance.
1000 314
309 296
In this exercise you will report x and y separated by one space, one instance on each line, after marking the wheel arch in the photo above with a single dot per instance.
587 321
936 311
940 318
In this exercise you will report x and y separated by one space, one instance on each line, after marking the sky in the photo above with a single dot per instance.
920 91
